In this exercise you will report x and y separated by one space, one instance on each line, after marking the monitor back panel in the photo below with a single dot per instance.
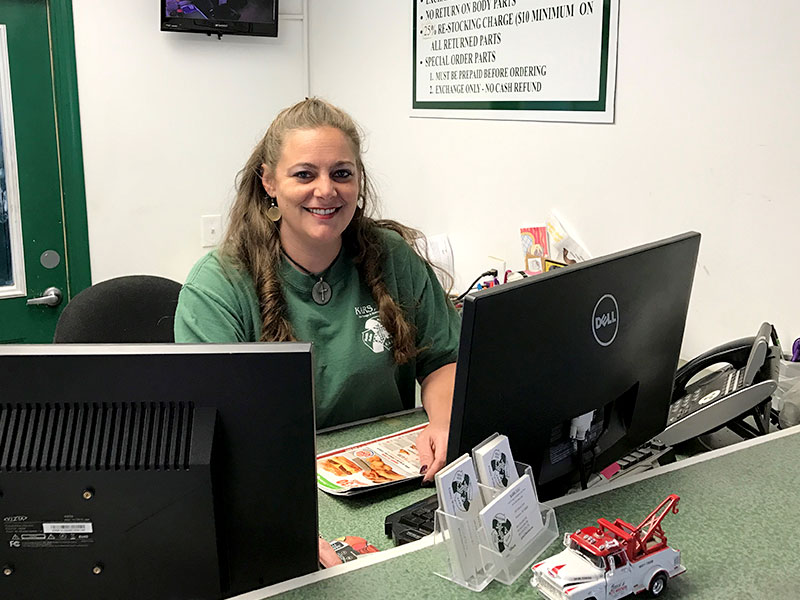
546 349
264 443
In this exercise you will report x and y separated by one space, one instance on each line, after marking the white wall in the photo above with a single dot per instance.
167 121
707 137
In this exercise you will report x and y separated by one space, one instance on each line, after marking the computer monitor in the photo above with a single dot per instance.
603 335
175 471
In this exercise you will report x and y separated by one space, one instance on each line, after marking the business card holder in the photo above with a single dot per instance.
463 551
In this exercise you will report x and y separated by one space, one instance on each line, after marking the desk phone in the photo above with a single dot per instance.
744 385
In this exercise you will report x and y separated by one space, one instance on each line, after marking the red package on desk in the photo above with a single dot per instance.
351 547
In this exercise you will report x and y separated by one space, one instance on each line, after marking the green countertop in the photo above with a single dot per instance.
737 526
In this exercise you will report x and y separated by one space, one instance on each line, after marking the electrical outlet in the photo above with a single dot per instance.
211 230
499 264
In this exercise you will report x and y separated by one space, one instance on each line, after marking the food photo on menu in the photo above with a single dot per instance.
367 465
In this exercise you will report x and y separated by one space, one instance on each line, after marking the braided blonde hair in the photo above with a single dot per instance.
253 242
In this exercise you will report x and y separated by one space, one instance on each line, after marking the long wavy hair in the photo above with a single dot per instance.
252 240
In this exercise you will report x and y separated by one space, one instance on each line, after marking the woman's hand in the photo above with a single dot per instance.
432 448
437 398
327 555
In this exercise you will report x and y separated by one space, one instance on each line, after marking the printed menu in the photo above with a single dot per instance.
377 463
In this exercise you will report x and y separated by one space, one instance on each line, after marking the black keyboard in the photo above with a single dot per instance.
413 522
649 455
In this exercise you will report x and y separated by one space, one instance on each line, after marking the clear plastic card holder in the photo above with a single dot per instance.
459 554
511 568
463 551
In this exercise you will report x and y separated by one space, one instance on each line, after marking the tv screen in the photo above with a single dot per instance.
236 17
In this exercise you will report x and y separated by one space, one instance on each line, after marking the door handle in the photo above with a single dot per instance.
51 297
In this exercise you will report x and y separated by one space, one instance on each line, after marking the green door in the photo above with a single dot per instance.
43 240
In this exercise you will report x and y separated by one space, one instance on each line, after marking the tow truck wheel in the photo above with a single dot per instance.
657 585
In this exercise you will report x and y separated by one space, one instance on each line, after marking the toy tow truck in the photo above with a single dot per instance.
612 560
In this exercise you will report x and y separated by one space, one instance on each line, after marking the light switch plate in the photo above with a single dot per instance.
211 230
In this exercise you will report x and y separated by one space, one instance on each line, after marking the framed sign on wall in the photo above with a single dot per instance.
515 59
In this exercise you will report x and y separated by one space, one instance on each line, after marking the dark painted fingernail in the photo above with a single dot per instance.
426 484
423 469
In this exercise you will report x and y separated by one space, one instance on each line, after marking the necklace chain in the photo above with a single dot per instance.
299 266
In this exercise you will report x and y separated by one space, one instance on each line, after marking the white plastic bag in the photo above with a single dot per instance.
786 399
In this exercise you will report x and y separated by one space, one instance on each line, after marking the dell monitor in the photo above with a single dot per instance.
599 338
174 471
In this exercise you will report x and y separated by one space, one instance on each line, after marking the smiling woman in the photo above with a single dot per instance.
303 259
316 181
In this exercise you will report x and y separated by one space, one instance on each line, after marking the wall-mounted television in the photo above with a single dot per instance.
234 17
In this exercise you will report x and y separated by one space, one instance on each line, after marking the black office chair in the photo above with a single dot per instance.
133 308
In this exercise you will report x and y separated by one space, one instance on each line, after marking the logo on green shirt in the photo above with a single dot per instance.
375 336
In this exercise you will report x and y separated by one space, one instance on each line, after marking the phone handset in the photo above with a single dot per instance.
720 397
758 355
734 353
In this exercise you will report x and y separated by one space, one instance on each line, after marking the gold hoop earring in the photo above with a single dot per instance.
274 211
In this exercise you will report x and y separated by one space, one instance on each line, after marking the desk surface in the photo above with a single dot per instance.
738 527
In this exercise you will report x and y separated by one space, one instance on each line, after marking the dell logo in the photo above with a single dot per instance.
604 320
